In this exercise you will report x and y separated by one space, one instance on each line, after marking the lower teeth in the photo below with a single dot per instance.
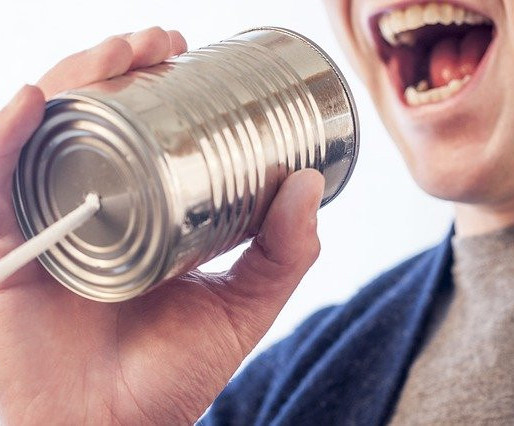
419 95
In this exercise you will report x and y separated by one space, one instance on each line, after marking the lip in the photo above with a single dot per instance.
441 107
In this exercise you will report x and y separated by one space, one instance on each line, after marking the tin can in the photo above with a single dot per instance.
186 157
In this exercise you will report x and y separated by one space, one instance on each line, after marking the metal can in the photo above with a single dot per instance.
186 156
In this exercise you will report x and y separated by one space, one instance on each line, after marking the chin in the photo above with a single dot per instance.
471 179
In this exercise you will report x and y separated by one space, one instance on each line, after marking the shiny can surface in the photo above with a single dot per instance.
186 157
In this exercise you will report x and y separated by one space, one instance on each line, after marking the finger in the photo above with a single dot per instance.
262 280
154 45
18 120
113 57
177 42
109 59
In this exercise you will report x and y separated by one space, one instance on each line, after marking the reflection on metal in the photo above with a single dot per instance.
186 157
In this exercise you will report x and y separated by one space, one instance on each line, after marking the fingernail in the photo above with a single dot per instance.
178 42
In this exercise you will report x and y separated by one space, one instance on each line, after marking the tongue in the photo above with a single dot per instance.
472 49
453 59
445 62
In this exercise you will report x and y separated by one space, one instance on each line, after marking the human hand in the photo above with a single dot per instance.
161 358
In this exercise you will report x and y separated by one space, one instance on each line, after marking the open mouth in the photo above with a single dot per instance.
431 50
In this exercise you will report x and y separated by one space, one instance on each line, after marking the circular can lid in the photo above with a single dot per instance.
86 146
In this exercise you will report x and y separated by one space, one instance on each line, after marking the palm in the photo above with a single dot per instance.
162 357
73 345
128 353
132 352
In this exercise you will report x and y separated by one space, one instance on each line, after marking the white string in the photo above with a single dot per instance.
47 238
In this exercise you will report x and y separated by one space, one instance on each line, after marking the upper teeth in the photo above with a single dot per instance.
393 23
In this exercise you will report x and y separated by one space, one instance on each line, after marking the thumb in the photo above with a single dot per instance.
18 120
262 280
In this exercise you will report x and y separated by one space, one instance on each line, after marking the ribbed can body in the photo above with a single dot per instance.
186 156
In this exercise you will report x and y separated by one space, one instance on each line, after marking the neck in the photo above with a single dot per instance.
472 219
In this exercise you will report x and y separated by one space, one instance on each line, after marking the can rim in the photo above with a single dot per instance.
346 89
27 227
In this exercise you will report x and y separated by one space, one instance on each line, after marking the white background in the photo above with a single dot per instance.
380 218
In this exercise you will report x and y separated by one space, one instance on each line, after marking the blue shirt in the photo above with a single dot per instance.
345 365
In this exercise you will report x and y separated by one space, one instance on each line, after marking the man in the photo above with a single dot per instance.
428 342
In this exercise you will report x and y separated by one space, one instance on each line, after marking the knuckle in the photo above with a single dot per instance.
155 36
314 249
149 46
260 265
156 31
115 45
313 244
114 51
